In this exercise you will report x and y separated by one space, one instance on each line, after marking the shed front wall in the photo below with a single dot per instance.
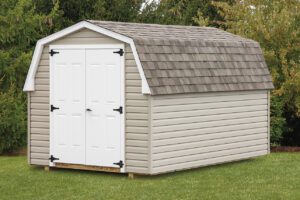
136 107
202 129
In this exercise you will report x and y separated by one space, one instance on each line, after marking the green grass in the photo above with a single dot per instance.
276 176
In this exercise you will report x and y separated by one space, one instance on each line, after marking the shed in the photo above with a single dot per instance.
146 98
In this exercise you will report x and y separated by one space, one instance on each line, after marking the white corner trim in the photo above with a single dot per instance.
145 86
30 79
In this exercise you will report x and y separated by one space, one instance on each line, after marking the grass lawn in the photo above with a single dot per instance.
276 176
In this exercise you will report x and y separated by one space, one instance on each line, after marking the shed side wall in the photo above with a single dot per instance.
137 123
203 129
136 152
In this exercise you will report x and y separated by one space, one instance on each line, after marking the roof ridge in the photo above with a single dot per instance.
246 43
199 30
151 24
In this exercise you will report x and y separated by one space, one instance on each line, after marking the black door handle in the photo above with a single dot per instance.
88 109
120 109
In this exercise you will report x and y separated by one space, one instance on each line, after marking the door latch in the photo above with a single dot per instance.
120 109
52 158
120 163
53 108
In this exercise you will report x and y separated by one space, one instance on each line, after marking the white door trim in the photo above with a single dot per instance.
98 46
87 46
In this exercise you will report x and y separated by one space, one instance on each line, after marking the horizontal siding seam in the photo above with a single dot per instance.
196 164
209 127
181 143
210 94
211 133
238 100
232 137
212 151
208 158
208 120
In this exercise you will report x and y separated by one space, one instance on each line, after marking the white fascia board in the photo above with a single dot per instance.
30 82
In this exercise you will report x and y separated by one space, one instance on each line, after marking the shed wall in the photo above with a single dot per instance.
201 129
136 107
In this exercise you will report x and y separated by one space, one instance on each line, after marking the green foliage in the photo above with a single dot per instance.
182 12
13 120
20 27
112 10
278 122
276 26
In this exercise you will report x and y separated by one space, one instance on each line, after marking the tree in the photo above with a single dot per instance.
182 12
111 10
21 26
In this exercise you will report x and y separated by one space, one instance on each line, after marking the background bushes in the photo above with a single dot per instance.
13 123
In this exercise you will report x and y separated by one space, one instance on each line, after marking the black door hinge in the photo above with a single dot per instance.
53 52
120 163
121 52
52 158
53 108
120 109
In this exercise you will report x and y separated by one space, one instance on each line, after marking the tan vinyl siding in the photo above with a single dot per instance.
269 118
137 124
28 126
39 130
136 150
201 129
39 106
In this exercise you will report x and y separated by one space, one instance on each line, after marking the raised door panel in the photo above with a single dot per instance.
68 94
103 94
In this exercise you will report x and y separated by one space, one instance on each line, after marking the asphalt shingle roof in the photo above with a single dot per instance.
188 59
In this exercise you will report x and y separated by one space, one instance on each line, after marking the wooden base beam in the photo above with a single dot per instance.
87 167
131 175
47 168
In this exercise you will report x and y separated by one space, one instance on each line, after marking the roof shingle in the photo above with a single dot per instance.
188 59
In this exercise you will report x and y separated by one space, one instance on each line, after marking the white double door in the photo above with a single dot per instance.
86 87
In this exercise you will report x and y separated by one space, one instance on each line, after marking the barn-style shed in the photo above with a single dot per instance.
146 99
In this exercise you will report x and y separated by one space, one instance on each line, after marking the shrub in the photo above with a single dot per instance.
13 120
278 122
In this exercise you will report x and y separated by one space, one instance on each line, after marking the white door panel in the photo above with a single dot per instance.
68 94
103 94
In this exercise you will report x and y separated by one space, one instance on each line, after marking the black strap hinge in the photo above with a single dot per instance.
121 52
120 163
53 108
52 158
52 52
120 109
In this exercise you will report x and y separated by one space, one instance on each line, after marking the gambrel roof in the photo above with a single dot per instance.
188 59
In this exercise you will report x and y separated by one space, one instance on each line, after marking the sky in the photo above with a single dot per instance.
148 2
